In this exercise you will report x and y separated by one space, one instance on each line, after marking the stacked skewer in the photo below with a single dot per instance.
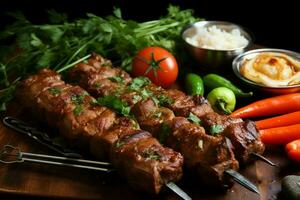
151 118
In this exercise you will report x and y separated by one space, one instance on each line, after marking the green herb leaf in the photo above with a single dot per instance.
117 13
157 114
114 103
139 83
194 118
151 154
79 98
164 100
117 79
216 129
136 98
54 91
78 109
46 59
119 143
59 43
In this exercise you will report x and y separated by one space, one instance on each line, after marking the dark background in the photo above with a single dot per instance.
274 24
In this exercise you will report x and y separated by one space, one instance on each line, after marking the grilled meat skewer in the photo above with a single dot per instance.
135 153
203 154
100 79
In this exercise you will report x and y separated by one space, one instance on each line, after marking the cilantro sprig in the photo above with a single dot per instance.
59 44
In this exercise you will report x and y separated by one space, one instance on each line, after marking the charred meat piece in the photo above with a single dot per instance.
34 85
245 139
101 142
213 121
243 134
182 104
145 163
184 136
207 156
98 76
139 157
150 117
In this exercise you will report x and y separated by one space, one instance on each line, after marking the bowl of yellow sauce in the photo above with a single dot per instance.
274 71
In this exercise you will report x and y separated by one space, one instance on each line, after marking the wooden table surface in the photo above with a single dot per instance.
37 180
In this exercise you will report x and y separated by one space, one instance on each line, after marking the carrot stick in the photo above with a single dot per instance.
283 120
271 106
280 135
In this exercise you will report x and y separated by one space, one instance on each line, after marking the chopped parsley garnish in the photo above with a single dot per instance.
157 114
216 129
136 98
117 79
138 83
194 118
78 109
146 94
151 154
164 100
79 98
119 143
54 91
114 103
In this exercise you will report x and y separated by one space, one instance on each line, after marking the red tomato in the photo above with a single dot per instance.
157 64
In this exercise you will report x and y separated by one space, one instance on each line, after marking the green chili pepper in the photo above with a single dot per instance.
194 84
212 81
222 100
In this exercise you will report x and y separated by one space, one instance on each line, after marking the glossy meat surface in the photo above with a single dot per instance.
96 128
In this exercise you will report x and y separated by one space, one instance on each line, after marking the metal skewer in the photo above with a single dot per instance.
242 180
44 139
39 136
11 154
264 159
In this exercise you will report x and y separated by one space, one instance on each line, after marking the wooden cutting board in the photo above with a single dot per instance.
61 182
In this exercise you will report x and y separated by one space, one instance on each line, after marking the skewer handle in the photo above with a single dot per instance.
11 154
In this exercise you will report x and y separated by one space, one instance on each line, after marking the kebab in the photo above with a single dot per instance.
100 79
139 157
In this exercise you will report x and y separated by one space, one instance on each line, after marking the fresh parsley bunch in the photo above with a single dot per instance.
60 44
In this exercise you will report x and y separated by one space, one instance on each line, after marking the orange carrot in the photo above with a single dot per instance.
293 150
283 120
271 106
280 135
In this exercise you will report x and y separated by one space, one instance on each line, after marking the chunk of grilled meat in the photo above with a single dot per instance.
206 155
245 139
181 104
98 76
243 134
144 162
154 119
150 117
73 111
